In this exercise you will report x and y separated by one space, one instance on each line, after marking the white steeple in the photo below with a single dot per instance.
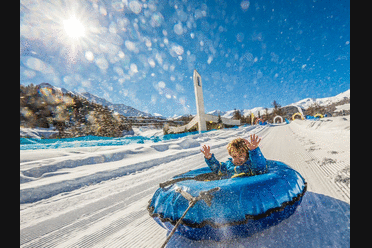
200 113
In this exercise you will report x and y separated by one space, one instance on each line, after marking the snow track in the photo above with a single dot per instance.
107 207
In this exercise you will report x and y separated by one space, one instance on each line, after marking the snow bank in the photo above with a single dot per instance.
342 107
36 133
339 123
147 131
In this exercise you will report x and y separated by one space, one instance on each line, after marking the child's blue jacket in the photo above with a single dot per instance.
256 164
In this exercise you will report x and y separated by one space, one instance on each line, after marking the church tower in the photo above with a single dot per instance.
202 126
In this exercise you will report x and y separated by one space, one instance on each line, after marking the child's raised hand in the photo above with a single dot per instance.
206 151
255 141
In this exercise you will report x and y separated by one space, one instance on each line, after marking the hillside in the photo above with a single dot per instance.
70 114
122 109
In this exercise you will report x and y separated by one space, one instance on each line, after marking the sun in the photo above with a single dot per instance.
74 28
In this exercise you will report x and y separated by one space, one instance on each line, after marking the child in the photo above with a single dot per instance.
247 158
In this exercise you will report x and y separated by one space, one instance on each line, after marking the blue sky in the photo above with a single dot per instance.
142 53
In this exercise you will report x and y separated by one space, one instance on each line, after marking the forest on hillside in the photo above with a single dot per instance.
71 115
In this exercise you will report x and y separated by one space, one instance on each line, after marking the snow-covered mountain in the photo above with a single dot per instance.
120 108
95 99
307 102
304 104
245 112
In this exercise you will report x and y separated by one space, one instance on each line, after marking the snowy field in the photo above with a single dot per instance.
97 196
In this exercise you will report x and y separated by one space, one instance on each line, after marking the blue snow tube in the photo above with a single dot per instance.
243 206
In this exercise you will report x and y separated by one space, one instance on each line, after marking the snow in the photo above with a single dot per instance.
307 102
147 131
97 196
157 115
342 107
36 133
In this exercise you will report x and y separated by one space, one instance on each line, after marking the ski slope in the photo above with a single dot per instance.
97 196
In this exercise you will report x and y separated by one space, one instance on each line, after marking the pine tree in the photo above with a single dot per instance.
219 120
276 105
277 108
236 115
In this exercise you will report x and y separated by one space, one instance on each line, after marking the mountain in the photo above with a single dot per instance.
119 108
307 102
303 104
93 98
128 110
244 112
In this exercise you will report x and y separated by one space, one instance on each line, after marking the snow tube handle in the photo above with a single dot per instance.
203 195
202 177
206 195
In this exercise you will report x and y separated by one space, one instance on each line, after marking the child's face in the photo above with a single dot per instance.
239 158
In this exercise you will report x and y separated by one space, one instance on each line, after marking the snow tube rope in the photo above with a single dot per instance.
203 195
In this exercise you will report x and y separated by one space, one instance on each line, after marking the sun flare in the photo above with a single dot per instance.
74 28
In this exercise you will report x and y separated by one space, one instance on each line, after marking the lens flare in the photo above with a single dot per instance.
74 28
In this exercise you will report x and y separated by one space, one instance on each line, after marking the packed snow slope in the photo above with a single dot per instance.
97 196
